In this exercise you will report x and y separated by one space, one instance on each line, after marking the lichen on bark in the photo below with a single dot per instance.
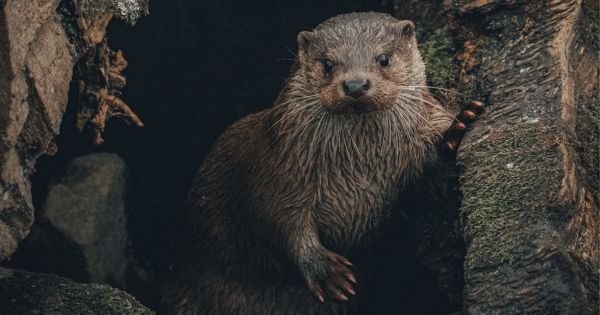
130 10
505 193
531 225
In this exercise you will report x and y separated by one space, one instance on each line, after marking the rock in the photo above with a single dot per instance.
87 206
23 292
38 49
47 250
80 231
35 71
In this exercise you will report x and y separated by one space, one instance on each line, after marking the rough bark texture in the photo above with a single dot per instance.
40 42
529 166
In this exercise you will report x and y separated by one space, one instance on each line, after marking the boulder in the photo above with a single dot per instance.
81 230
87 206
23 292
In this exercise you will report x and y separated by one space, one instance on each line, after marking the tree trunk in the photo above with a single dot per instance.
529 165
40 42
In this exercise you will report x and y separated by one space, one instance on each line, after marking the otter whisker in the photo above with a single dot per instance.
417 98
315 132
437 106
293 54
421 118
300 130
429 103
433 87
291 113
307 119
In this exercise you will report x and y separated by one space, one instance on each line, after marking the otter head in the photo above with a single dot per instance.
359 62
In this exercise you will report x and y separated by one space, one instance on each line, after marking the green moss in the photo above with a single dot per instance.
587 128
427 15
589 27
438 52
29 293
436 43
508 186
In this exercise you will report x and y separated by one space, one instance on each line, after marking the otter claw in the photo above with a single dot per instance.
320 298
334 279
476 105
350 290
316 289
345 261
351 277
468 115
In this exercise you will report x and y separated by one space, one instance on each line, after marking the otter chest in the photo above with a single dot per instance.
351 201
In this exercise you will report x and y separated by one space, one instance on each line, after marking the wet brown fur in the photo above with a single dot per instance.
285 188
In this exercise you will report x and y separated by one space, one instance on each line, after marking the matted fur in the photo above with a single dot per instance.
284 188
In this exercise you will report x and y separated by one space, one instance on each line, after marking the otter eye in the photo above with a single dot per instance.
328 65
383 60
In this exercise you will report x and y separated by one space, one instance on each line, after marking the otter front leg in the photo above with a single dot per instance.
326 273
452 136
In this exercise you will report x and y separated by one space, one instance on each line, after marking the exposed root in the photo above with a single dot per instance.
100 84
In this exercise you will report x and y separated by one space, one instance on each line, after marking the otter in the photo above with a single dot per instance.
285 205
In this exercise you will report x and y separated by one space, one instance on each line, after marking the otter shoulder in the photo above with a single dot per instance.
244 136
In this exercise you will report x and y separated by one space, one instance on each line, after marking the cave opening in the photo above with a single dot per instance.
195 67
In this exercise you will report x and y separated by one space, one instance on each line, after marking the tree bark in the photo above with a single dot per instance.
529 165
40 42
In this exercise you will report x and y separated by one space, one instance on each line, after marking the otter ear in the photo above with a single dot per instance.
304 39
405 28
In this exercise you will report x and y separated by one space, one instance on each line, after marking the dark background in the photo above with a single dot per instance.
195 67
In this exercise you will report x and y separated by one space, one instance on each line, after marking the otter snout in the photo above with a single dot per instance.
356 87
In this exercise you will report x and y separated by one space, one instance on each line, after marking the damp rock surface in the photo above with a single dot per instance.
87 206
30 293
40 42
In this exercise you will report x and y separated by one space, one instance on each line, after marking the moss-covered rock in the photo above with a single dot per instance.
23 292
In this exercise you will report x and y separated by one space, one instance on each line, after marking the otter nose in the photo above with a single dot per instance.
356 87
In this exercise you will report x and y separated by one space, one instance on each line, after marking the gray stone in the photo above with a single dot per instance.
30 293
87 206
36 65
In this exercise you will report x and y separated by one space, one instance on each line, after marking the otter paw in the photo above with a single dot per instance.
333 278
454 134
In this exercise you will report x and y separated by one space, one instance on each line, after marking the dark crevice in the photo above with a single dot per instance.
195 67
